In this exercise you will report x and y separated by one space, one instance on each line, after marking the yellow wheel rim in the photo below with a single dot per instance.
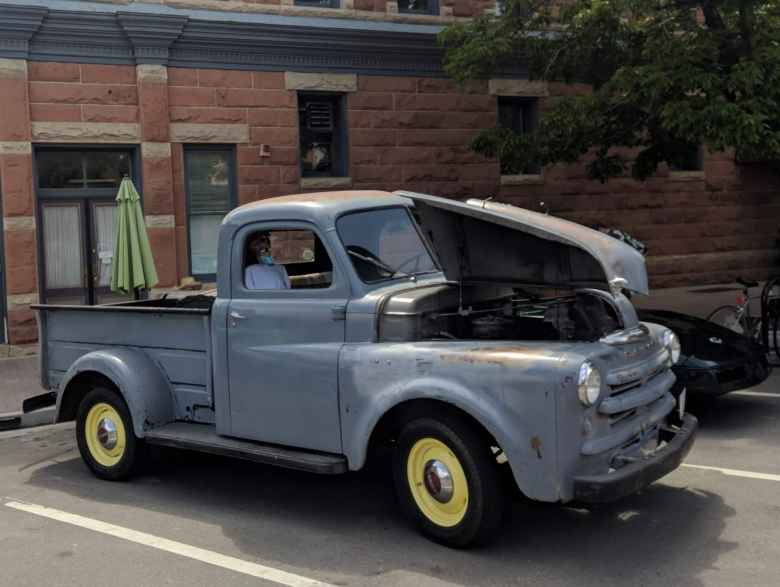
437 482
105 434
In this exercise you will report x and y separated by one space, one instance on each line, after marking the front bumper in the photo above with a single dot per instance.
642 472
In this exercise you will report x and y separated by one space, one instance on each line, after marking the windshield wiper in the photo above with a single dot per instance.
377 262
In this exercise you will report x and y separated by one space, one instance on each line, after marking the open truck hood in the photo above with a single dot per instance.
483 241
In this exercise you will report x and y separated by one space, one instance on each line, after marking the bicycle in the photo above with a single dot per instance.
763 328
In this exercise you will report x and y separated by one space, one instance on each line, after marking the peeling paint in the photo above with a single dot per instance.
498 356
536 444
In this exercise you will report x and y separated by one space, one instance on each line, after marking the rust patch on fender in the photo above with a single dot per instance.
536 444
470 358
497 356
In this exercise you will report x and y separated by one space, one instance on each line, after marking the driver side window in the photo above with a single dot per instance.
286 259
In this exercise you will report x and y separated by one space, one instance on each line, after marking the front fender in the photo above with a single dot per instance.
510 392
138 378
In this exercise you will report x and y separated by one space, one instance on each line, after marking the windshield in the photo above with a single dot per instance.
383 244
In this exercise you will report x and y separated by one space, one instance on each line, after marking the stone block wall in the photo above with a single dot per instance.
403 133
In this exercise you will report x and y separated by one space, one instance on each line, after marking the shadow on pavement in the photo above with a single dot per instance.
349 526
737 416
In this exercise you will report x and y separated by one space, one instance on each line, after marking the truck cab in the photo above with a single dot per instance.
470 339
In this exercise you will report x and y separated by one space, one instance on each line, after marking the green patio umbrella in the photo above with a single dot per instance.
133 266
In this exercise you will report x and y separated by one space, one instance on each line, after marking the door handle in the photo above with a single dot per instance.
234 318
339 312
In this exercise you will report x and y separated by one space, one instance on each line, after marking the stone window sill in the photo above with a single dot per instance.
523 179
325 182
686 175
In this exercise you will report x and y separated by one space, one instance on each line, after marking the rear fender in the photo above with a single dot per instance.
138 378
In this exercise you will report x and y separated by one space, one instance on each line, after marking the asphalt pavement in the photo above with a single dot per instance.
200 520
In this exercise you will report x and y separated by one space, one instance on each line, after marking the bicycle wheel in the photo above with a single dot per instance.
728 317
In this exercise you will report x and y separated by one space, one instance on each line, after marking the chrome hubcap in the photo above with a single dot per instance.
438 481
106 433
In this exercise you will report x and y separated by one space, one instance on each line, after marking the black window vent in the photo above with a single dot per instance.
319 115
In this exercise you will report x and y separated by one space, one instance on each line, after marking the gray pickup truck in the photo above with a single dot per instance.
478 341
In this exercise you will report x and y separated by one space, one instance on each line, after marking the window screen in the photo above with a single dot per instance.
322 135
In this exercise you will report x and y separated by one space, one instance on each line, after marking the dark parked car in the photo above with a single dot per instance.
713 360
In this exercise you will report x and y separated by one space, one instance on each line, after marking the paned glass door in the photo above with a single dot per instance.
78 250
103 222
65 279
76 191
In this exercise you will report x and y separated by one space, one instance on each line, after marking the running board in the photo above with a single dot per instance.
204 438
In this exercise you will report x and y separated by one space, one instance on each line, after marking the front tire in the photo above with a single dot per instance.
104 433
447 481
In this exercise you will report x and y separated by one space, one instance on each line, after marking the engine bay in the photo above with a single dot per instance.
579 315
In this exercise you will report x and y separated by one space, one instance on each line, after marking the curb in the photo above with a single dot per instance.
17 420
18 351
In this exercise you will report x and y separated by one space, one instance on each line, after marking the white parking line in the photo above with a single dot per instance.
736 472
757 394
193 552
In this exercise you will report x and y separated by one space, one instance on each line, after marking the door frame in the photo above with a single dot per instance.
328 299
84 199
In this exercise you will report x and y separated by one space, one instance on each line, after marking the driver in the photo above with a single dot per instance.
264 274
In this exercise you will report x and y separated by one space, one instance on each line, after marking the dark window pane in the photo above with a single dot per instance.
687 158
208 179
519 115
59 169
105 169
418 6
320 135
318 3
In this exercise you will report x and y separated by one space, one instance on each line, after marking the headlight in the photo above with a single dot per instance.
589 384
672 344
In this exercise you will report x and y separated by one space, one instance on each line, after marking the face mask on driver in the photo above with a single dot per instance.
266 259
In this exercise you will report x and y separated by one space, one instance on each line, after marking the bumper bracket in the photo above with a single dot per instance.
642 472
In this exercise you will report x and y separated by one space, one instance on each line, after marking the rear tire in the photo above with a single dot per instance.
448 482
104 433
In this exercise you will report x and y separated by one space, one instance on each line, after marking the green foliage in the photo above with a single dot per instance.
663 81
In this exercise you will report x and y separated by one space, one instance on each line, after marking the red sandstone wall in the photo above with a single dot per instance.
410 133
71 92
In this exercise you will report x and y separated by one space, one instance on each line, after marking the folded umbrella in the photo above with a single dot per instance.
133 266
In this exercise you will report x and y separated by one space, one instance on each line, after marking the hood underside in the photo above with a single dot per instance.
488 242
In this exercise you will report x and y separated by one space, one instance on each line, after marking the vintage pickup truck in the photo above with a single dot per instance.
479 341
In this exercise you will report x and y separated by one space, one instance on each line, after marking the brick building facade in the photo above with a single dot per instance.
164 93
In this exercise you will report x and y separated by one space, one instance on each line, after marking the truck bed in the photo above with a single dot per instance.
174 332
